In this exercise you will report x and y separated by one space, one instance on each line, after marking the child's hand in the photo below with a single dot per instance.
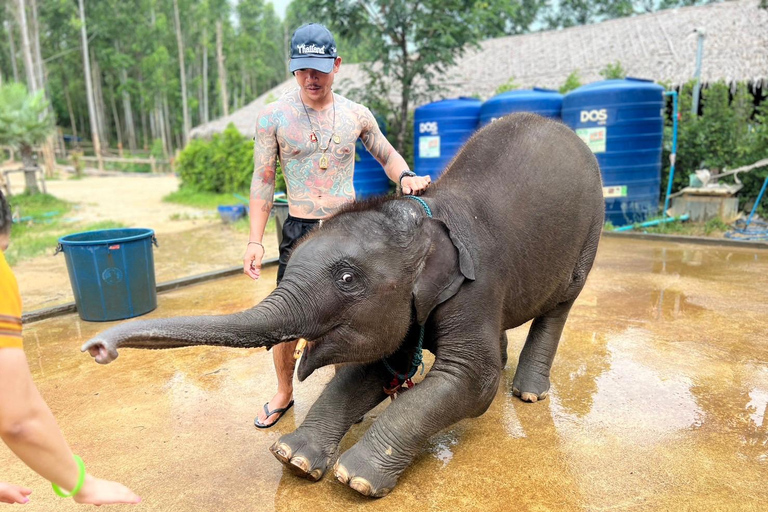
10 493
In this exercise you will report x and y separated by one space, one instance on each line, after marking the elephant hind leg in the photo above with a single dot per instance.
503 347
531 382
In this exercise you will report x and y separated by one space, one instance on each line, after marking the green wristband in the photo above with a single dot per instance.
80 481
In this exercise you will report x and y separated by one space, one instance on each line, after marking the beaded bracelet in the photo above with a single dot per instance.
406 173
257 243
80 481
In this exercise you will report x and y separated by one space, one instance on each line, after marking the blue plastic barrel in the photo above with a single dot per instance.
440 129
544 102
369 179
622 122
112 272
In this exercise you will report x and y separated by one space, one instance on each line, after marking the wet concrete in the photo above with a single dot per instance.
658 402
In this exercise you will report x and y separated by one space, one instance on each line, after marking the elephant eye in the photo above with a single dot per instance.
347 277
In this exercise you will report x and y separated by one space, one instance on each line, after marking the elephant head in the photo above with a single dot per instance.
352 287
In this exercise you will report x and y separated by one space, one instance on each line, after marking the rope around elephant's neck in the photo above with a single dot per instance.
418 357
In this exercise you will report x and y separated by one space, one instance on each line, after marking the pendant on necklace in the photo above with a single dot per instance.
336 139
313 137
324 161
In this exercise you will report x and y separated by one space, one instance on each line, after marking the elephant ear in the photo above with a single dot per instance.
446 265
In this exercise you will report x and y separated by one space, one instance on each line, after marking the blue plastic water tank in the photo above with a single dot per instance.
544 102
369 178
622 122
112 272
440 129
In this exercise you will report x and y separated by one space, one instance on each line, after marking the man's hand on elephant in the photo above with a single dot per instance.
254 253
415 185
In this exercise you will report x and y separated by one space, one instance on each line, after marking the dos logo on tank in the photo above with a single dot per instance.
594 116
428 127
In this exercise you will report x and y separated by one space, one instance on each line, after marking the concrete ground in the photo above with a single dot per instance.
658 402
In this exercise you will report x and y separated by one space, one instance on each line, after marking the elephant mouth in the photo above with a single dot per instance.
306 366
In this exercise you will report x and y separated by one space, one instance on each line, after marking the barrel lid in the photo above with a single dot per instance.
461 101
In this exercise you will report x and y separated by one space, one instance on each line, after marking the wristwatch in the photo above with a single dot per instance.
404 174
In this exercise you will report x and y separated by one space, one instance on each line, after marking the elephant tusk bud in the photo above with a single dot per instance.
299 348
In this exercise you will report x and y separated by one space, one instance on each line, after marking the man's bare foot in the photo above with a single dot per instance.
279 404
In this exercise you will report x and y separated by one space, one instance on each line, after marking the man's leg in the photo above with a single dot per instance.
282 354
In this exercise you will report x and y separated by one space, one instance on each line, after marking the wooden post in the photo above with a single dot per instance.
152 163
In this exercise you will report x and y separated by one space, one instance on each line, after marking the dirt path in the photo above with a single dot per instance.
192 241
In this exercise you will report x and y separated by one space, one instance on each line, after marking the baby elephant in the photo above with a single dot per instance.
507 234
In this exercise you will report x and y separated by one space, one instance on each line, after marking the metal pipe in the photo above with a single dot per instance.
655 222
673 154
757 202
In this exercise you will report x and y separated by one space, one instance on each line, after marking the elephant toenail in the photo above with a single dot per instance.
362 486
282 451
341 473
300 463
529 397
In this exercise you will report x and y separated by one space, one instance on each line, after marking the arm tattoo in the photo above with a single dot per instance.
264 160
375 141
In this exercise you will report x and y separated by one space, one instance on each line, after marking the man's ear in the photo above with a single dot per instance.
445 266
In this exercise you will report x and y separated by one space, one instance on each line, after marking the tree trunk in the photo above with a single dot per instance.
26 51
30 170
168 125
127 111
182 74
89 88
98 101
36 42
206 115
116 119
12 46
222 69
70 110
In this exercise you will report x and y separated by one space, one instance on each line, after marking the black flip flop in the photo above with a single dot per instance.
269 413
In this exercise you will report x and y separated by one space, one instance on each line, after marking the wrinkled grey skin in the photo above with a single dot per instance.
517 220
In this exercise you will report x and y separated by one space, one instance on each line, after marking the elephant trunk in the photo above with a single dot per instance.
260 326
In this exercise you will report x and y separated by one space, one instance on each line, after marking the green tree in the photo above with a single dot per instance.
24 121
571 82
509 85
497 18
611 71
729 133
414 43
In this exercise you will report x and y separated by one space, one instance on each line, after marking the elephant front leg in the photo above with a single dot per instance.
531 382
312 448
373 465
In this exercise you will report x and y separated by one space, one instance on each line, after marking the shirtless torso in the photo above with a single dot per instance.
318 181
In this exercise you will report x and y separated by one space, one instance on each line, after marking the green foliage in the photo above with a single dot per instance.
612 71
571 82
413 43
24 118
205 200
730 133
509 85
157 150
222 164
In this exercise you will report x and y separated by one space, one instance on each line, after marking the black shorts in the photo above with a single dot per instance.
293 229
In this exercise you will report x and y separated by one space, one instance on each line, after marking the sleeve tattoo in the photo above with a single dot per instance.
264 161
373 140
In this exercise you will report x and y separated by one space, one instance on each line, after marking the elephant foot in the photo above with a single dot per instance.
529 386
355 469
527 396
302 457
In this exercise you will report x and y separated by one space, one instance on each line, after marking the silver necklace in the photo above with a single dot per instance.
314 138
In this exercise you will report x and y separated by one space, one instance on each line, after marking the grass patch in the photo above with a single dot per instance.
207 200
714 228
41 224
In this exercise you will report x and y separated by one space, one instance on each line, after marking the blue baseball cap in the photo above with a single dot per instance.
312 47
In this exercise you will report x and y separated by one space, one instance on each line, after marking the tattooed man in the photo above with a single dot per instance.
312 131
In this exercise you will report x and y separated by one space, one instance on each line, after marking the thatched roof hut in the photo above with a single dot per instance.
660 46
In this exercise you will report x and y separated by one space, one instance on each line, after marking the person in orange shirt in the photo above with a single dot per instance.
27 425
